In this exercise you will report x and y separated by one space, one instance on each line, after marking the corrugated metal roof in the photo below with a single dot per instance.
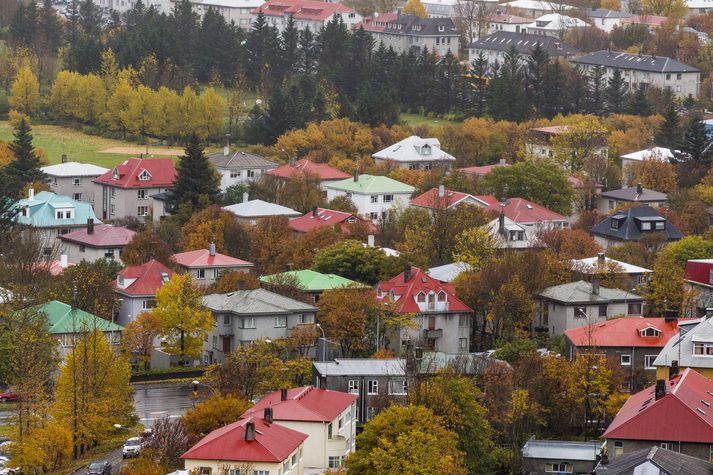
257 301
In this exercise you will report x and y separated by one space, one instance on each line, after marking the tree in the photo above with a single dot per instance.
570 243
615 92
343 203
580 147
351 259
273 240
196 177
25 167
143 247
476 247
654 174
170 439
344 314
25 92
639 104
506 98
695 152
415 7
690 247
87 286
215 412
184 321
139 336
669 134
406 440
667 289
49 448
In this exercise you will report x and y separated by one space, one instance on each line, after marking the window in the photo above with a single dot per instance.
421 297
251 173
373 386
668 77
660 225
563 467
441 28
388 198
200 273
463 344
398 386
141 194
615 223
603 310
280 321
441 296
353 387
234 174
668 445
113 192
335 461
76 181
374 216
215 341
247 322
612 204
370 413
82 248
148 304
702 349
143 211
109 254
294 458
375 199
634 309
626 360
646 226
649 361
64 214
113 210
618 447
650 331
330 431
226 319
679 76
204 470
77 196
144 176
306 318
464 320
286 466
580 312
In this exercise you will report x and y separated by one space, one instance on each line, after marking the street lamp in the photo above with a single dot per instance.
324 342
195 391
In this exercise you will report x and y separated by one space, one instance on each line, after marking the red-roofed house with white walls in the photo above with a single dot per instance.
306 14
206 265
136 286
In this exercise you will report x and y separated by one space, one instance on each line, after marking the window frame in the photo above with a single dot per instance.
625 359
372 387
649 361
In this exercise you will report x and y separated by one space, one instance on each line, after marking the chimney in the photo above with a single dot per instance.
398 13
709 312
226 150
639 189
595 285
250 431
407 272
601 260
441 191
63 261
268 415
31 194
501 223
370 239
314 212
246 196
64 158
283 394
356 175
90 226
660 388
670 315
673 370
211 249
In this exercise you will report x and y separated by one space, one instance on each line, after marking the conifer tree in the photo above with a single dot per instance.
595 91
615 93
479 81
638 103
506 95
537 66
25 167
196 179
669 134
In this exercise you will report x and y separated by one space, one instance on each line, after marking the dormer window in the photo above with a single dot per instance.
64 214
441 296
650 331
421 297
23 212
144 176
616 221
120 281
702 349
441 28
426 150
660 225
115 174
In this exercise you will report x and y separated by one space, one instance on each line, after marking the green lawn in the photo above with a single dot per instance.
416 119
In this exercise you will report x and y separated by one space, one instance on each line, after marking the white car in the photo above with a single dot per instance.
132 447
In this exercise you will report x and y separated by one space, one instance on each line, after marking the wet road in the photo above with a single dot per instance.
155 401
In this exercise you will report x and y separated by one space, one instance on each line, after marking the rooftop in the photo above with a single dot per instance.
361 367
302 9
441 198
522 211
632 194
666 461
255 302
323 171
524 43
143 280
639 62
415 149
405 291
140 173
322 217
556 22
62 318
681 349
604 13
313 281
260 209
653 153
371 184
240 160
448 272
561 449
591 265
103 235
72 169
204 258
630 224
43 210
483 170
581 292
411 25
306 404
537 5
624 332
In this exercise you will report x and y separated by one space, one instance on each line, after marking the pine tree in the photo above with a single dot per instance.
479 83
536 75
290 49
255 130
25 167
196 179
595 91
669 134
554 90
51 30
638 104
695 142
506 95
615 93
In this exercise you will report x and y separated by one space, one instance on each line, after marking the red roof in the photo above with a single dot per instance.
430 199
405 293
322 170
149 277
484 170
55 267
305 403
202 258
302 9
328 217
625 331
104 235
521 211
376 23
273 443
161 173
504 18
653 20
699 271
682 414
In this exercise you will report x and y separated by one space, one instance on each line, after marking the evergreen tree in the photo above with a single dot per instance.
536 77
695 153
334 64
449 82
669 134
638 103
615 93
276 120
255 130
577 92
309 52
506 95
554 97
185 31
25 167
595 91
51 30
361 45
290 50
479 76
23 26
196 179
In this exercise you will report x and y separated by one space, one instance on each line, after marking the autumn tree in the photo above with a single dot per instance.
87 286
169 440
215 412
303 338
344 313
580 147
209 225
351 259
415 7
476 247
655 175
138 337
570 243
273 241
46 451
232 281
143 247
25 92
667 288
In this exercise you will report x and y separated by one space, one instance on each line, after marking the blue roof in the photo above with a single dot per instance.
43 208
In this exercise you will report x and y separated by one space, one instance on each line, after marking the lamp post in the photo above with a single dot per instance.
324 342
195 384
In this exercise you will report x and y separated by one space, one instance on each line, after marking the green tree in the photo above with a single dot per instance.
669 134
667 288
690 247
351 259
615 93
25 167
196 179
86 286
639 104
506 94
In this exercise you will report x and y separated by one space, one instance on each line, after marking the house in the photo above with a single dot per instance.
448 272
67 323
57 266
161 205
589 267
312 282
654 460
441 199
642 71
125 190
239 167
496 46
539 143
674 414
632 343
206 266
101 241
405 33
529 214
652 22
480 171
554 24
630 159
559 456
76 180
580 304
244 316
251 211
416 153
122 6
500 21
327 417
234 11
322 172
453 8
136 287
374 196
535 8
609 201
53 215
699 276
320 218
310 14
254 441
511 235
630 224
605 19
691 349
443 321
698 7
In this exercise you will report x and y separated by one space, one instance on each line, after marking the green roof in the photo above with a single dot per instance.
371 184
63 319
313 281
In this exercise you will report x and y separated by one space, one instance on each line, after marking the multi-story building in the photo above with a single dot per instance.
239 167
320 218
136 288
605 19
591 267
374 196
529 214
123 6
126 189
75 180
510 235
238 12
535 8
692 348
630 224
642 71
310 14
416 153
206 266
494 47
95 242
655 459
554 24
404 33
609 201
457 8
699 276
500 21
630 161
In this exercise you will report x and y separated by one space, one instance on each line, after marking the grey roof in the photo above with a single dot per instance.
260 209
413 25
604 13
240 160
650 63
361 367
629 228
666 460
580 292
561 450
631 194
524 43
252 302
163 196
448 272
680 348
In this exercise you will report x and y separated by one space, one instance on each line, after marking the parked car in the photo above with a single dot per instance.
8 396
132 447
102 467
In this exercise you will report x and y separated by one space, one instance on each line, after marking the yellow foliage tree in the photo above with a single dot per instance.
215 412
212 114
25 92
46 451
141 111
415 7
655 174
90 101
117 114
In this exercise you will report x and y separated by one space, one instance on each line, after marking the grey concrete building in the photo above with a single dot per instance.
494 47
541 457
239 167
75 180
608 201
408 32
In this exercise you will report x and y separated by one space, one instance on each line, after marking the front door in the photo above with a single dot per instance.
226 344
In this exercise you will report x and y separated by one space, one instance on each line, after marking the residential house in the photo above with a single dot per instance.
443 322
496 46
161 206
57 266
609 201
481 171
76 180
53 215
539 142
605 19
310 14
500 21
580 304
630 224
554 24
136 288
511 235
652 22
642 71
693 349
255 442
327 417
94 242
528 214
535 8
442 199
251 211
698 7
629 160
632 343
674 414
311 282
238 12
320 218
448 272
374 196
699 276
206 266
416 153
589 267
239 167
542 457
244 316
321 172
654 460
125 190
406 33
455 8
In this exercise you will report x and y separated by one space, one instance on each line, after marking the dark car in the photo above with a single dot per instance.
8 396
100 468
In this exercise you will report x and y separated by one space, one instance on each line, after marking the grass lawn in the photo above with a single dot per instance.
416 119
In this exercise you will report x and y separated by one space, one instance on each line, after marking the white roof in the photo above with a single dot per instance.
561 449
5 296
538 5
699 3
530 240
227 3
74 169
653 153
411 149
448 272
362 366
557 22
589 266
259 209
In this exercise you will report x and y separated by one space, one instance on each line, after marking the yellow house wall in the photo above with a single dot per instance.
662 372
